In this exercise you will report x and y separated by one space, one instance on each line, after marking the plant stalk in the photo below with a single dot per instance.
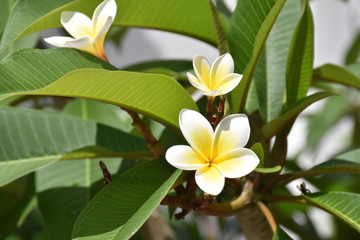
256 221
151 142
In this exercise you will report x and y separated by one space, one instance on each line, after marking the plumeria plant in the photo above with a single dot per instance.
90 151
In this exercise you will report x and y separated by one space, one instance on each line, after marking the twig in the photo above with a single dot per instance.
151 142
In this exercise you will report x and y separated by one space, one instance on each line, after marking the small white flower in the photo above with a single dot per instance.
214 155
218 79
89 34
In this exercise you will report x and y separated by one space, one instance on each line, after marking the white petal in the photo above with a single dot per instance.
237 163
100 36
229 82
197 131
210 179
213 93
195 82
232 132
101 15
77 24
58 41
202 69
83 43
222 66
184 157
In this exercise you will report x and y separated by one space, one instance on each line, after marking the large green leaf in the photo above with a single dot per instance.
345 206
275 126
100 112
16 211
250 25
348 162
156 96
119 209
192 18
301 54
64 188
348 76
30 69
32 139
76 179
270 74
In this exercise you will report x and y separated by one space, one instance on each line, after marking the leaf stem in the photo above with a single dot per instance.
210 108
220 111
151 142
205 206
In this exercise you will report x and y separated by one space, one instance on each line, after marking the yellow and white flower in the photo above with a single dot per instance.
88 34
214 155
219 79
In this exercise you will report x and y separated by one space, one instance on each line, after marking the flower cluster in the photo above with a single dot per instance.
219 154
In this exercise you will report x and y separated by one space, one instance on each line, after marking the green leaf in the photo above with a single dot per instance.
32 139
122 206
173 65
280 234
250 25
11 219
354 68
5 8
172 68
275 126
354 51
341 204
268 170
156 96
145 93
348 162
270 72
223 8
222 44
258 149
332 112
64 188
300 60
30 69
188 17
103 113
348 76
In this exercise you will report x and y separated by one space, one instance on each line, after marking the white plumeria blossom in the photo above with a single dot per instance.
219 79
214 155
88 34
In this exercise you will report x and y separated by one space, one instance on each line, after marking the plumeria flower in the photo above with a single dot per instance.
214 155
219 79
88 34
